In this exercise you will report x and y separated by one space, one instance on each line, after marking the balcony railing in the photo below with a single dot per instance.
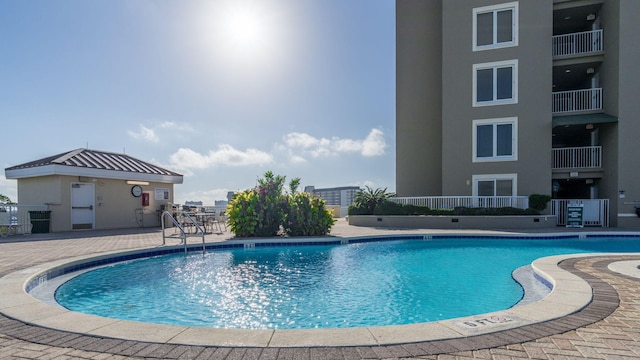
577 100
577 43
451 202
586 157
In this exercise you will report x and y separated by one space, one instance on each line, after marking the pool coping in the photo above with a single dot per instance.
569 295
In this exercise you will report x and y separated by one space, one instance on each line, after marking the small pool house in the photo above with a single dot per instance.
87 189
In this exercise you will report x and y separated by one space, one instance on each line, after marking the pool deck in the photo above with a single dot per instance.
608 327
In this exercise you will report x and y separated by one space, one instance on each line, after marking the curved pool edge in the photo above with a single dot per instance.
570 295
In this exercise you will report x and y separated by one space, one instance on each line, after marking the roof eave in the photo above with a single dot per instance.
48 170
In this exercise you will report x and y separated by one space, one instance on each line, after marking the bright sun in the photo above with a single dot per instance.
244 32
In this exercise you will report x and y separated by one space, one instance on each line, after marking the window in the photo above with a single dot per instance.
495 185
495 140
495 26
495 83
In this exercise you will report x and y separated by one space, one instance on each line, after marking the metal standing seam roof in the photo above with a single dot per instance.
94 159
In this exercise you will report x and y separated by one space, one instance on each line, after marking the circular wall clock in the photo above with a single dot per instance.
136 190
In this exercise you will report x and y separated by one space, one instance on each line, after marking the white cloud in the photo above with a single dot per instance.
228 156
295 159
170 125
225 155
296 147
150 134
302 140
189 159
305 144
374 144
144 133
347 145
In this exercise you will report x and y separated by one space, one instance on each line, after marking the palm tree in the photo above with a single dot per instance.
370 198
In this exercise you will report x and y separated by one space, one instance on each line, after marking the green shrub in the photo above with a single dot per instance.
264 211
389 208
358 210
260 211
242 213
538 202
307 216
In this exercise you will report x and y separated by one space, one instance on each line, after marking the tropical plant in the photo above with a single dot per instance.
271 204
264 210
241 213
307 216
258 211
370 199
293 186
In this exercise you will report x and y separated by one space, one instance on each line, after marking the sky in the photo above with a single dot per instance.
220 91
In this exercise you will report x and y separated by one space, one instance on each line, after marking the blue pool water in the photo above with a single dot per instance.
355 285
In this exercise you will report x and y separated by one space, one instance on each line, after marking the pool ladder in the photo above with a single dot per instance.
184 220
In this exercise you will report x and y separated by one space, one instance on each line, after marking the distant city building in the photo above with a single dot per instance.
337 196
193 203
220 203
230 195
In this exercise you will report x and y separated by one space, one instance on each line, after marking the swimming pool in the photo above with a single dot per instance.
368 282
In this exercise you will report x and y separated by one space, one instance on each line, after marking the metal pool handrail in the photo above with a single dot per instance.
183 234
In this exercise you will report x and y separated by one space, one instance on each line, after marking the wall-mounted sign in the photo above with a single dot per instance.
161 193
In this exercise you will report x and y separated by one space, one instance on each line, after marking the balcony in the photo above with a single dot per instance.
581 43
577 101
586 157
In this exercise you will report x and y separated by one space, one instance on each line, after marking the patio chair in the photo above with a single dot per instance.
222 219
213 222
185 222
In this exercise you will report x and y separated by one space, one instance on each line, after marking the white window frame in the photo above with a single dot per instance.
493 177
513 121
513 64
495 9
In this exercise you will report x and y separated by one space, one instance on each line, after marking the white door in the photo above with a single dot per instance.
82 206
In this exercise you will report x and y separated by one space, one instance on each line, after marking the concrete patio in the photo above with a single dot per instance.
607 328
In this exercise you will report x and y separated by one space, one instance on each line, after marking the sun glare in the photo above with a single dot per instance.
243 34
246 31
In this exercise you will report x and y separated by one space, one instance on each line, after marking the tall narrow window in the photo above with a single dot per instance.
495 26
495 140
495 83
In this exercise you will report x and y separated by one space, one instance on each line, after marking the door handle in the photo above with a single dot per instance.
90 207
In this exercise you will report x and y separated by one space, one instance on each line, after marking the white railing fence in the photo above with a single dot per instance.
577 157
451 202
595 211
15 218
577 100
577 43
